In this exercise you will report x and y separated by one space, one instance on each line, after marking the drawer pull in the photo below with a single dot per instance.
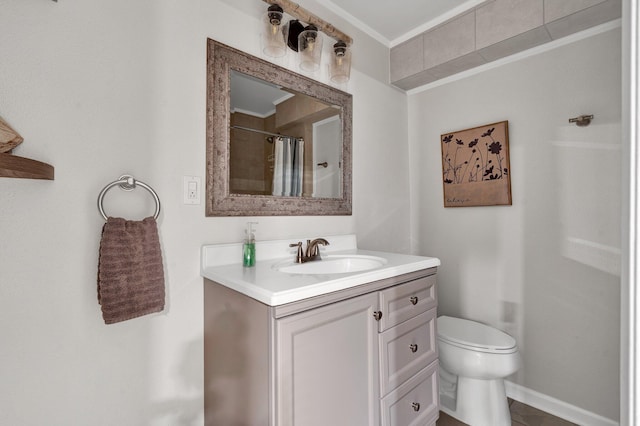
414 300
413 347
377 315
415 406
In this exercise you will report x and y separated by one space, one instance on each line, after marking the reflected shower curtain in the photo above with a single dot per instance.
288 166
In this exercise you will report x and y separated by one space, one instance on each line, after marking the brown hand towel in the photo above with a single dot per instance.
130 272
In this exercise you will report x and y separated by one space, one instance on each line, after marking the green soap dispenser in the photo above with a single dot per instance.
249 246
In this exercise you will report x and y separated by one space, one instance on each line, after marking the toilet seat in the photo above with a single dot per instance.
474 336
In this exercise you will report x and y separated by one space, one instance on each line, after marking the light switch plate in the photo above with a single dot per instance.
192 187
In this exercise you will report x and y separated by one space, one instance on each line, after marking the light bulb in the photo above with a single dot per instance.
309 49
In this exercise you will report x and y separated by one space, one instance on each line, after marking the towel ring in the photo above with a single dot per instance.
128 183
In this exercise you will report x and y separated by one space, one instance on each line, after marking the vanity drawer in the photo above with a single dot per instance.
405 301
406 349
414 403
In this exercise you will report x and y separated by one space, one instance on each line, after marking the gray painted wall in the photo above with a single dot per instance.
546 268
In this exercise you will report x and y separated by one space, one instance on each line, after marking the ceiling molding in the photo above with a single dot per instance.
450 14
355 22
359 24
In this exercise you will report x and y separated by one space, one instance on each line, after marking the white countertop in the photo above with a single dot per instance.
222 263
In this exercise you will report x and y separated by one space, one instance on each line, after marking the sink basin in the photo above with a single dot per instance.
333 264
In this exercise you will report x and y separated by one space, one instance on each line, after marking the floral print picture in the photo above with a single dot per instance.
475 166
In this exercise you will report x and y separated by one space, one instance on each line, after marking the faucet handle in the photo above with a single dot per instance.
299 254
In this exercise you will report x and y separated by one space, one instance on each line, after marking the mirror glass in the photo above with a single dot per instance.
282 142
278 143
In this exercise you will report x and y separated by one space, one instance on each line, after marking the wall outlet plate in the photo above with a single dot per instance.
192 188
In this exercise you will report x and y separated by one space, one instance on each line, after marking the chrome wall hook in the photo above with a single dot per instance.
582 120
128 182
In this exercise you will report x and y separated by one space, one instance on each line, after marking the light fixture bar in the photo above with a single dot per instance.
304 15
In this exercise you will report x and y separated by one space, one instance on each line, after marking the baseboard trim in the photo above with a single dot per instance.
448 412
555 406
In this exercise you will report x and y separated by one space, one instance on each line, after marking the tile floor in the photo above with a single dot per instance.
521 415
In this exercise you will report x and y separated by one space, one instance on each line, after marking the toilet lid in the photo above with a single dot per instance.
474 334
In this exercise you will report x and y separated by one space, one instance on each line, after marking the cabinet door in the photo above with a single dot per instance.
326 369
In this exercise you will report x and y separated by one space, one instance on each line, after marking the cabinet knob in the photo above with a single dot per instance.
416 406
414 300
413 347
377 315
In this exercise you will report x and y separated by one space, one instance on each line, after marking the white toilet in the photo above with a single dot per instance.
474 360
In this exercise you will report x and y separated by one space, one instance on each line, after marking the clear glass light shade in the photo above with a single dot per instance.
274 35
310 50
340 65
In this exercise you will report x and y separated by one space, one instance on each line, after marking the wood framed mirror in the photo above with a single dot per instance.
278 143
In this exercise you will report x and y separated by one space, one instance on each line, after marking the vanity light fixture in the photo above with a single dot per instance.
307 41
340 65
310 49
274 34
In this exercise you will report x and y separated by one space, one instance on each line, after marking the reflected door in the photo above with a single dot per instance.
326 156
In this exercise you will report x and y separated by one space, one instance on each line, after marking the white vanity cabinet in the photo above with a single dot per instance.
360 356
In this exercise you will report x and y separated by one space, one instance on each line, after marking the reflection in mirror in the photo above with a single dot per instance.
282 142
278 143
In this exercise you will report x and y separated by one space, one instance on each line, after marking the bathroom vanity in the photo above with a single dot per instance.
287 346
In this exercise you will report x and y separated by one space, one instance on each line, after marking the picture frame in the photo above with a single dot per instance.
476 169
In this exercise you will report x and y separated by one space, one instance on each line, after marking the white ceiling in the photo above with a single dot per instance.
390 22
394 21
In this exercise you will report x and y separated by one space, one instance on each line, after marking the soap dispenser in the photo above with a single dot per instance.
249 246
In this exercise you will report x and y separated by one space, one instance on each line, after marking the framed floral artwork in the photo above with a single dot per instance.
475 166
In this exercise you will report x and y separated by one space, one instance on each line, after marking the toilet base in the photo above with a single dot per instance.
481 403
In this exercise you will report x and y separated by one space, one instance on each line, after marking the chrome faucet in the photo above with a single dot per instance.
311 253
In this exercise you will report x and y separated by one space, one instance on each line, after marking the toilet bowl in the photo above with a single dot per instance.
474 360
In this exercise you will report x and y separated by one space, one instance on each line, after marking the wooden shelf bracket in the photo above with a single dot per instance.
19 167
